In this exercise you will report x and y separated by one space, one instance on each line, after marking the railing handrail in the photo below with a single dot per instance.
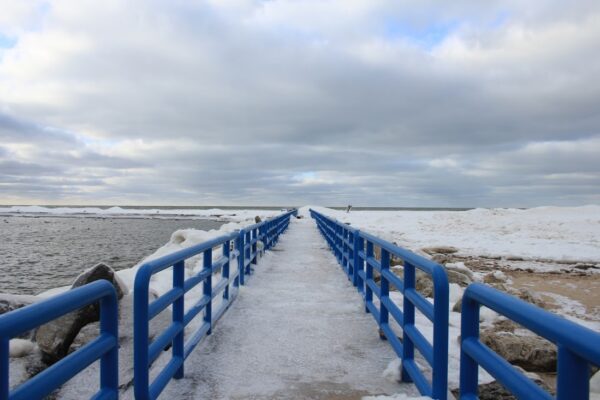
245 252
577 346
348 244
104 347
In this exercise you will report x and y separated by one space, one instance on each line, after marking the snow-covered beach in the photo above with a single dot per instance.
512 247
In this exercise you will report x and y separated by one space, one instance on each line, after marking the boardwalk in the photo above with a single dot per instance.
298 330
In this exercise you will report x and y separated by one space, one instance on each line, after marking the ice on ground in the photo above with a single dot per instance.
229 214
554 233
20 348
399 396
393 370
297 330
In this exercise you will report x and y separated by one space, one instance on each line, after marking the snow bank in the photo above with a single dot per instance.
231 215
551 233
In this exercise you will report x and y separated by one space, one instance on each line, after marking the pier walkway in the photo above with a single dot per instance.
298 331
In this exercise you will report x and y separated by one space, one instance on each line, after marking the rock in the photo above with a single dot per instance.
424 284
529 296
495 391
55 338
101 271
460 267
529 352
257 219
11 302
458 277
495 277
440 250
457 306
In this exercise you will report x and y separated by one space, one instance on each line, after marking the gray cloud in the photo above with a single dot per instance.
387 103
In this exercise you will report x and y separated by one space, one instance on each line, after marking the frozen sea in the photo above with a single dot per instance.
38 253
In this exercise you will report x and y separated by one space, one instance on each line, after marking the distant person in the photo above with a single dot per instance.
348 208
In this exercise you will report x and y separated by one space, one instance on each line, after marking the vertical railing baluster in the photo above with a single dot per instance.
408 347
4 365
572 381
225 270
207 289
385 286
247 250
240 247
368 276
178 313
358 266
255 246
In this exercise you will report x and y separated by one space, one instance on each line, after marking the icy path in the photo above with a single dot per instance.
297 331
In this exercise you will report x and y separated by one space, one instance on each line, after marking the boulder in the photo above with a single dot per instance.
440 250
423 284
55 338
458 277
529 352
495 391
11 302
495 277
529 296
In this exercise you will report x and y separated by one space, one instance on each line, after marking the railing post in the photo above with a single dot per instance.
255 246
248 250
572 381
240 248
368 276
358 262
178 307
469 329
408 347
4 364
384 287
207 289
109 363
225 271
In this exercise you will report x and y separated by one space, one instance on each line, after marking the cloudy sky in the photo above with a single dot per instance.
381 103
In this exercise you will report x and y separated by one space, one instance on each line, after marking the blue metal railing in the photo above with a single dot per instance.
246 253
354 251
577 347
103 348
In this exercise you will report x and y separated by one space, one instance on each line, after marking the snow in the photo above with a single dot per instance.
20 348
549 233
297 330
235 215
398 396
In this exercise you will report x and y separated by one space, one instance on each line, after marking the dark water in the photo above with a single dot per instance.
40 253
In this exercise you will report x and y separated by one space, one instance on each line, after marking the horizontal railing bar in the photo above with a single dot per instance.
46 381
195 339
393 279
503 371
419 340
376 290
195 309
420 302
219 287
165 376
374 263
162 341
393 339
393 309
417 376
192 282
373 310
164 301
